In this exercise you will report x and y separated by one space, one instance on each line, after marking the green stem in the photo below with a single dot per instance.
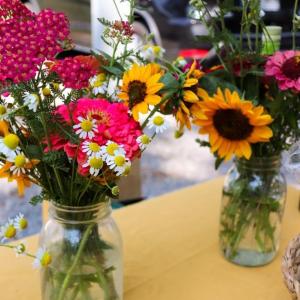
75 262
14 247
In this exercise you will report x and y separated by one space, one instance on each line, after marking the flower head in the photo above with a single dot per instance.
140 88
95 163
158 123
20 222
8 231
285 68
111 149
119 164
75 72
9 145
91 148
143 141
43 259
98 84
233 124
86 128
20 249
31 100
28 39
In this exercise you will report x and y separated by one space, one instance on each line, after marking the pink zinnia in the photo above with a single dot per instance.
27 39
75 72
285 68
113 122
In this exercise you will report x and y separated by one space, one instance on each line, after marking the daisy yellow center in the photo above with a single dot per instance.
46 259
158 120
291 67
46 91
10 232
127 170
20 161
145 139
232 124
2 110
23 223
120 161
21 248
96 162
94 147
156 49
111 148
136 92
99 80
86 125
11 141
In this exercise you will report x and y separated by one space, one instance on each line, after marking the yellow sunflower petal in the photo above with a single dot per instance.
192 69
154 88
260 134
190 82
245 148
124 96
202 93
152 99
190 96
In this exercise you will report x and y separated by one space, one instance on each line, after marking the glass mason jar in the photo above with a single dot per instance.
86 250
253 201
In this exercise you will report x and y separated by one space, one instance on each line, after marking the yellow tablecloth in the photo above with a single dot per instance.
171 253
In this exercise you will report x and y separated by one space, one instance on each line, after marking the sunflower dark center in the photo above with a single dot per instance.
291 67
232 124
136 92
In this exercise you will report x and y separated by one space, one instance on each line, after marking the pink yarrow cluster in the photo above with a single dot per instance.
27 39
285 68
75 72
113 124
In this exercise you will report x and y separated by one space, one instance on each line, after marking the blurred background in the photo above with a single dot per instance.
169 163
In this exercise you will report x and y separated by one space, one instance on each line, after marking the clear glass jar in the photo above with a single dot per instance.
253 201
86 250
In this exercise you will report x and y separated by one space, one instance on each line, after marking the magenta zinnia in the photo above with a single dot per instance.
285 68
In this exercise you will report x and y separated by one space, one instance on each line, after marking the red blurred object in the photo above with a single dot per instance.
193 53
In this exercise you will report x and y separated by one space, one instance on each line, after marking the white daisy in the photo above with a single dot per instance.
31 100
20 249
98 84
151 52
143 141
181 61
86 128
95 163
9 145
158 122
19 162
111 149
91 148
20 222
43 258
119 164
8 230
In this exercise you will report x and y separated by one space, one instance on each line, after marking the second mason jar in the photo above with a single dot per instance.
253 201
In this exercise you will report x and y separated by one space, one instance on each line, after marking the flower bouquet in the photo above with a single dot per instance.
73 126
249 109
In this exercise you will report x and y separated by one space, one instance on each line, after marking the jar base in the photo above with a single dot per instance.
250 258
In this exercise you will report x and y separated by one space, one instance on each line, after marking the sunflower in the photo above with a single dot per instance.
232 124
140 88
189 101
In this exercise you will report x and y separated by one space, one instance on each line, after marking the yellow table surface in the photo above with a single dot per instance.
171 253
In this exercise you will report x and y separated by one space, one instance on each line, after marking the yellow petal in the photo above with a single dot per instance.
154 88
190 82
152 99
190 96
245 148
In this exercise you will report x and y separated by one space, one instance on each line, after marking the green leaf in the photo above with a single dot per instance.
35 200
113 70
34 151
170 82
218 162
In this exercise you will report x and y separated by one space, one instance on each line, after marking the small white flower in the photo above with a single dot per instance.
9 145
111 149
119 164
20 222
31 100
19 162
98 84
95 163
91 148
180 61
143 141
20 249
43 258
151 52
86 128
8 230
158 122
